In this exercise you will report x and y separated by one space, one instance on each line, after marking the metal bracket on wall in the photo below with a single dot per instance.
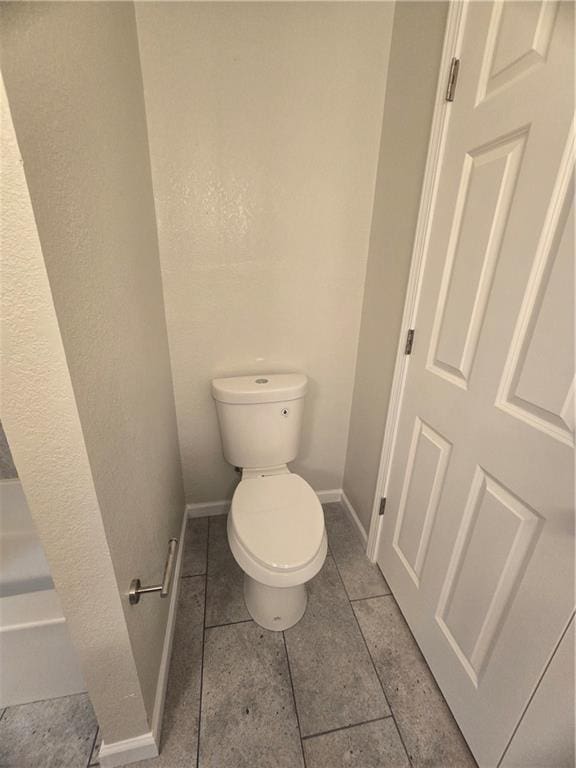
136 589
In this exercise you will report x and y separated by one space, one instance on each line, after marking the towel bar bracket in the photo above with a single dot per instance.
136 588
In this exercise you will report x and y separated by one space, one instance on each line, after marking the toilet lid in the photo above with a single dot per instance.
278 519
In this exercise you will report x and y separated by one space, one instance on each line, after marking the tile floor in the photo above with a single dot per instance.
347 686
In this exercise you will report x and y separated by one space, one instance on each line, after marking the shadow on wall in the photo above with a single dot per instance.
7 467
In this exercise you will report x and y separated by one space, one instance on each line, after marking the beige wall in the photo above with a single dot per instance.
413 71
41 418
74 85
264 123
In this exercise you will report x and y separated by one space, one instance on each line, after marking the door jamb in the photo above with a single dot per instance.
455 24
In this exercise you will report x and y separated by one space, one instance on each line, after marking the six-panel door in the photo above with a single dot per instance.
477 539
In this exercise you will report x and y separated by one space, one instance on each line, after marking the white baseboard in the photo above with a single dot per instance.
147 744
128 751
209 508
351 512
328 496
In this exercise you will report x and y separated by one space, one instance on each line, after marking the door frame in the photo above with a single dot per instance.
455 24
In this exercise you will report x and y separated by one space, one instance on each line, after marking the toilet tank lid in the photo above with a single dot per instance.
260 388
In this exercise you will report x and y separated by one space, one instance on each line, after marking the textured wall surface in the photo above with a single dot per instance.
264 121
411 89
38 400
78 110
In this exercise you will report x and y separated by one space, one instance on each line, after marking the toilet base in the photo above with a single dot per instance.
274 608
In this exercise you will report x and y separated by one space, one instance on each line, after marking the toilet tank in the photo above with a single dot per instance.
260 418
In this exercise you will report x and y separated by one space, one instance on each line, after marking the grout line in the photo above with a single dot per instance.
369 597
439 690
373 664
89 763
350 525
347 727
227 623
191 575
39 701
294 697
384 692
398 731
203 646
370 655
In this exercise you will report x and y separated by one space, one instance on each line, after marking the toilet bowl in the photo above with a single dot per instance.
277 536
276 524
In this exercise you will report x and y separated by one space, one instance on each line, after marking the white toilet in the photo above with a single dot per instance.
276 523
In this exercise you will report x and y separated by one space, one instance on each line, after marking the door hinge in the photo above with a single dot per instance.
452 79
409 342
382 505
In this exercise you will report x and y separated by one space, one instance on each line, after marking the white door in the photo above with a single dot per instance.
477 538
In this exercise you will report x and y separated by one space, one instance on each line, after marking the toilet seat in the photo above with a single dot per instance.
276 529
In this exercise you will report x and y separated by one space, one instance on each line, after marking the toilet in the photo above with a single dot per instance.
276 523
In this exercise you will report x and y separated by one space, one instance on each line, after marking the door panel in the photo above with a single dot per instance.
492 548
423 481
487 183
538 380
477 539
518 40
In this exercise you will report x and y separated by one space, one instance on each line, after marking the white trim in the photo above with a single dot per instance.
351 512
326 497
128 751
209 508
438 131
147 744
